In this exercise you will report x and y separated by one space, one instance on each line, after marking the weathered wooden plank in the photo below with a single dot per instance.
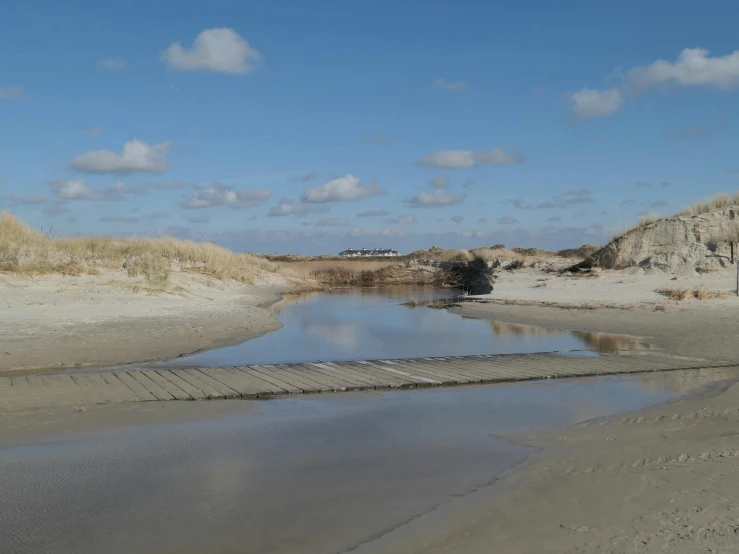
191 389
234 381
141 392
393 381
269 384
259 387
173 390
339 374
420 380
327 382
196 379
338 369
150 385
224 391
444 366
309 381
432 372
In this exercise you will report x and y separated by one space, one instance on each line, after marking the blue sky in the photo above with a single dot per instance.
269 126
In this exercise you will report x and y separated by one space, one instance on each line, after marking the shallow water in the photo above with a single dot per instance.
373 323
311 474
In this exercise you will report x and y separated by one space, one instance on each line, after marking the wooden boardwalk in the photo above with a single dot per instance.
261 381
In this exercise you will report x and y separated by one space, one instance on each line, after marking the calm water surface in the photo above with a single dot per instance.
306 475
373 323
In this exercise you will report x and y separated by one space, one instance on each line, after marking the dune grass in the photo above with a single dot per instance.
700 293
26 252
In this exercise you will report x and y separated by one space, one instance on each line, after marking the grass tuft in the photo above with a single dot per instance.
700 293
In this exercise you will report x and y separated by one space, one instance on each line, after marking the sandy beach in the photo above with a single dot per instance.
54 322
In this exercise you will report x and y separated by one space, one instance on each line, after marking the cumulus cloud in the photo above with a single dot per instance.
342 189
12 93
374 213
112 63
456 159
435 199
219 194
77 190
449 85
293 207
587 103
507 220
333 222
136 156
554 218
146 188
404 219
520 204
457 219
221 50
693 67
439 182
310 176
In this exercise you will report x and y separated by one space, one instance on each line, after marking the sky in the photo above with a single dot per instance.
311 127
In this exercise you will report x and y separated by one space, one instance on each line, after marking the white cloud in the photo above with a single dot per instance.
294 207
221 50
456 159
136 156
333 222
693 67
588 102
12 93
94 132
340 190
78 190
112 63
221 195
439 182
437 198
374 213
449 85
404 219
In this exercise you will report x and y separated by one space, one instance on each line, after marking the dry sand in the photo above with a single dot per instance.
664 479
99 321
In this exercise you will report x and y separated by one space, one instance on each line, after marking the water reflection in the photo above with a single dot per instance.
374 323
600 342
301 475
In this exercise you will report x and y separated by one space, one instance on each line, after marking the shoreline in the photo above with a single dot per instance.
59 323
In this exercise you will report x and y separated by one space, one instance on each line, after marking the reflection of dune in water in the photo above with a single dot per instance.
686 380
602 342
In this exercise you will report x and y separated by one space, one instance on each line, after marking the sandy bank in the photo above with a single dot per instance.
98 321
619 303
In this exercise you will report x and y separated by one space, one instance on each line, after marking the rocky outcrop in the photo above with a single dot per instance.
679 245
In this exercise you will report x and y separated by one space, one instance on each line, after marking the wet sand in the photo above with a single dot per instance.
319 474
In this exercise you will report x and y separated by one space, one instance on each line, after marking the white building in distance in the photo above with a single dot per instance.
372 253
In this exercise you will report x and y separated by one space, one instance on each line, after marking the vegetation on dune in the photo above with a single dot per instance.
24 251
700 293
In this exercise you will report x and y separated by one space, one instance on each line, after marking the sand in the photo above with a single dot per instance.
100 321
663 479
